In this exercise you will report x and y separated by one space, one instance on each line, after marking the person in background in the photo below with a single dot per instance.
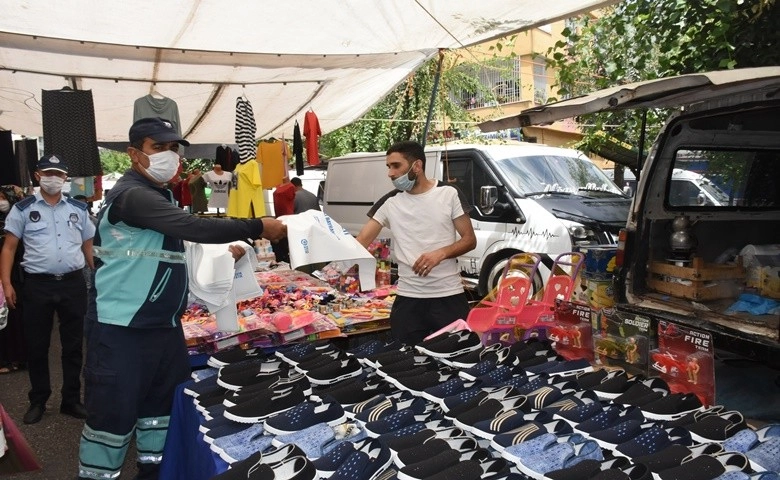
304 199
284 204
136 351
431 228
57 236
284 198
13 356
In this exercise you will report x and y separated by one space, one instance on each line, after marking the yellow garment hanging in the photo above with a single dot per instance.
270 156
246 201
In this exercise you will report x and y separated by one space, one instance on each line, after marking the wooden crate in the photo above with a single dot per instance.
700 281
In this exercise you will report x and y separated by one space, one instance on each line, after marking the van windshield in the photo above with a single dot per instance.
539 174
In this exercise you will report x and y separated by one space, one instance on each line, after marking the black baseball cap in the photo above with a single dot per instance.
52 162
156 128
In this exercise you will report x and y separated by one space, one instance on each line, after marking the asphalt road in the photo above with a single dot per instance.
55 439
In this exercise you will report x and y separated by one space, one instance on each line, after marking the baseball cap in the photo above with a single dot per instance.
156 128
52 162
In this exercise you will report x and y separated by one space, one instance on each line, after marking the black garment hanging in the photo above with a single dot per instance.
298 149
69 130
26 152
9 171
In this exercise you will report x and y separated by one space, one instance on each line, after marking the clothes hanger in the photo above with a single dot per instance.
155 94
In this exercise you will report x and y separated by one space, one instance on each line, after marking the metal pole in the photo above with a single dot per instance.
642 135
433 98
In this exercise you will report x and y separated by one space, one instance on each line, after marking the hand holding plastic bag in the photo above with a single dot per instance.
314 237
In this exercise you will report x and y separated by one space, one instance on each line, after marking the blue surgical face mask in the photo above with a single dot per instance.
404 182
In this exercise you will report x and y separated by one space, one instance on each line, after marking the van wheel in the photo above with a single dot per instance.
491 274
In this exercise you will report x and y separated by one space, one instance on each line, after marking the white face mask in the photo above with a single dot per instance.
406 181
5 205
52 185
163 165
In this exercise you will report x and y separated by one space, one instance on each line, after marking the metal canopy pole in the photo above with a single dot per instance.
433 98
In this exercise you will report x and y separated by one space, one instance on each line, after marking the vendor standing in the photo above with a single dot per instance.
136 352
57 236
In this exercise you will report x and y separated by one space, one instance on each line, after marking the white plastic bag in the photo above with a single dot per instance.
314 237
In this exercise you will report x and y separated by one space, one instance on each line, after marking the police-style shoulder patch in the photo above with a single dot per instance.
77 203
22 204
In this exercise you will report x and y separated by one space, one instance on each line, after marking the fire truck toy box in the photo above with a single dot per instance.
623 340
685 360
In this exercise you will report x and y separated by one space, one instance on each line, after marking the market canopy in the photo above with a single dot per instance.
335 57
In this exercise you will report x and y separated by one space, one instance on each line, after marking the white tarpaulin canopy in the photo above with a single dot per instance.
336 57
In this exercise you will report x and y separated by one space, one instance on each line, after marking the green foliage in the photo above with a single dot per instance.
645 39
113 161
401 114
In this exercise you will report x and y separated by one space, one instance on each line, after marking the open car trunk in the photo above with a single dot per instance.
707 201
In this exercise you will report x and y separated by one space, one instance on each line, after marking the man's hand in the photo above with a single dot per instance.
273 229
237 251
10 296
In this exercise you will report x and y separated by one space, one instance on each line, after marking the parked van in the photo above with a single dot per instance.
685 227
526 198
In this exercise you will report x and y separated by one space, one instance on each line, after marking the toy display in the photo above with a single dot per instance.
514 305
685 360
572 331
623 340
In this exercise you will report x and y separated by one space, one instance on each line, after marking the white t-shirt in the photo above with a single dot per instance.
421 223
219 184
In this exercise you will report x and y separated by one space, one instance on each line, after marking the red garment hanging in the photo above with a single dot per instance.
312 132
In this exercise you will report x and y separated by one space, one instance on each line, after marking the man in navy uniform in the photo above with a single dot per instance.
57 236
136 352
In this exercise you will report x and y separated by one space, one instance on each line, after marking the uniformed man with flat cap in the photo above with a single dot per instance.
57 236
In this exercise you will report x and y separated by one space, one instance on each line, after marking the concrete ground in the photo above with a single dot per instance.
55 439
750 388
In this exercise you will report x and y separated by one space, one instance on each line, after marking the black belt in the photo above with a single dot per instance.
55 277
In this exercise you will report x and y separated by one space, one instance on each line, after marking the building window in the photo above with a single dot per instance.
499 80
540 81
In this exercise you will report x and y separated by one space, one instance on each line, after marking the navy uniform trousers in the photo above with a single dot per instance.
43 296
130 378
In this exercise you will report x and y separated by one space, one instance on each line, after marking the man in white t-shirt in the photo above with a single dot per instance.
431 229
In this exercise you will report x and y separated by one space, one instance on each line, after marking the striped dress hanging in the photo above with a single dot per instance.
245 130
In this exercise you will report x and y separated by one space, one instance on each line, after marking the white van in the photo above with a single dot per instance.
687 188
694 189
526 198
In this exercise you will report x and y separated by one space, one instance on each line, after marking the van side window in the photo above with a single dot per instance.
457 172
745 178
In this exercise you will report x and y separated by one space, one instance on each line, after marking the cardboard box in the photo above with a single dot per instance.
769 283
599 262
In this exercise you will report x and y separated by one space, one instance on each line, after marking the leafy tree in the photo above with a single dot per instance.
401 114
646 39
113 161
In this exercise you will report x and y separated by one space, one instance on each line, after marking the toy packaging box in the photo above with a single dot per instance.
571 330
622 340
685 360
